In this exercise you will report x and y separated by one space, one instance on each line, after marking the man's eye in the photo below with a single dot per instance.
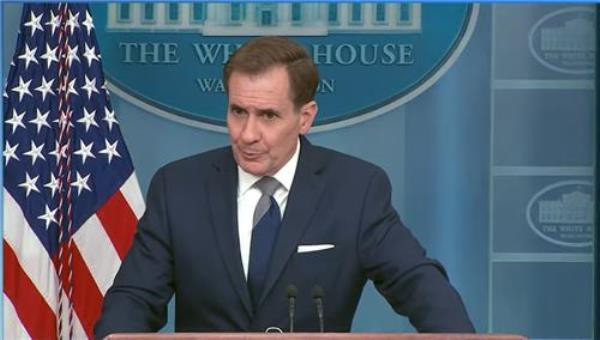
269 115
237 111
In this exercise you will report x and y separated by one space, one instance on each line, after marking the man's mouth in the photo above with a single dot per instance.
250 154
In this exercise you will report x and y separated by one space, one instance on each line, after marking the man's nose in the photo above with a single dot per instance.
250 130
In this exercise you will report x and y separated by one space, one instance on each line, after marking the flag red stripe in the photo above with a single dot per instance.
87 299
25 297
119 222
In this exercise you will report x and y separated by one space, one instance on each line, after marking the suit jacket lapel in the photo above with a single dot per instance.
302 203
222 189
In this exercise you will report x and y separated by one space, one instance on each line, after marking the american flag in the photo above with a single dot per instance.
71 197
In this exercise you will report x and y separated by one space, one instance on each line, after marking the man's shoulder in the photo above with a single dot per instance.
340 161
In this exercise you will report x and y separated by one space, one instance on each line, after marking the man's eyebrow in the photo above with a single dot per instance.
269 112
236 107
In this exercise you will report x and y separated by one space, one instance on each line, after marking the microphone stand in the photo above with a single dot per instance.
317 295
292 292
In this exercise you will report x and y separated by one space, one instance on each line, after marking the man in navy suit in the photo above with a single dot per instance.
230 230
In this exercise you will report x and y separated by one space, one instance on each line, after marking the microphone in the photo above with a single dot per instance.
317 295
291 292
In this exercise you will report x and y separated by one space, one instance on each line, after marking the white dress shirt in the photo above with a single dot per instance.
248 197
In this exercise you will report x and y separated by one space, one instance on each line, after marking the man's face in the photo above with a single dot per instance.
263 122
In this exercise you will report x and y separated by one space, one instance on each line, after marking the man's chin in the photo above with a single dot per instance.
253 168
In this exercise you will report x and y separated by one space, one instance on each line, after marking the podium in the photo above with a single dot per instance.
311 336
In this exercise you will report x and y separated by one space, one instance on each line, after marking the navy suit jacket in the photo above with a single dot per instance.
187 244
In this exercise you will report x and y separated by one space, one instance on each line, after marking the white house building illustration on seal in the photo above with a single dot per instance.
575 207
245 19
575 35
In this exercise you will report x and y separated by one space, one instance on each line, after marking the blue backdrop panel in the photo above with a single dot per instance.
544 300
551 131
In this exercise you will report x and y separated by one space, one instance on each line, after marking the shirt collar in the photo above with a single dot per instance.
285 175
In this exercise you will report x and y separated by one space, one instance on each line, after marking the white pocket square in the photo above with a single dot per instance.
307 248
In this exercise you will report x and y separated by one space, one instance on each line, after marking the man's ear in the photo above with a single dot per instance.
308 112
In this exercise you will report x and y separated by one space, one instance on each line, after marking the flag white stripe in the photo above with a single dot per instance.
13 328
133 195
98 252
30 252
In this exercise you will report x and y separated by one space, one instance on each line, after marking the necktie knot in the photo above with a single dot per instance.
267 185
